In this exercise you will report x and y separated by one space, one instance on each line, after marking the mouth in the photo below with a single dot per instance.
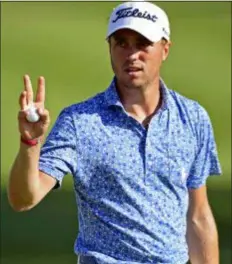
133 70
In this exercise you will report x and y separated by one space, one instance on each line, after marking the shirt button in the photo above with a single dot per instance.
148 144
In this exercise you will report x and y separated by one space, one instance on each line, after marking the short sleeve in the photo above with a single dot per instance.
58 155
206 162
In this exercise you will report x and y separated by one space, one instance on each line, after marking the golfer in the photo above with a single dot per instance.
139 152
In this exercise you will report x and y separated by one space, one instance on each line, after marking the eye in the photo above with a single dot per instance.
121 43
143 43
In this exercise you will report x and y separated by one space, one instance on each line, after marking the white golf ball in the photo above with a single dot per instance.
32 115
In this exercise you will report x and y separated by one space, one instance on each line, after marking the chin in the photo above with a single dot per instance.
131 80
134 82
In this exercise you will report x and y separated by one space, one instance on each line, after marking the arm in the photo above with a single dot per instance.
202 236
27 185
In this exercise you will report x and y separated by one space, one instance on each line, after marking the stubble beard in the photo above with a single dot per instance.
137 85
129 84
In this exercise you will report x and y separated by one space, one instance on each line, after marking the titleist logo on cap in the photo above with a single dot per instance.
130 12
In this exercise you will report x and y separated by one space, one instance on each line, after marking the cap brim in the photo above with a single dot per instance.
154 36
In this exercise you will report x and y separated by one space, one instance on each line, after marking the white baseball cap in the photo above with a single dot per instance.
145 18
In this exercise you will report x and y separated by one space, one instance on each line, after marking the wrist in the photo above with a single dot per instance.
30 142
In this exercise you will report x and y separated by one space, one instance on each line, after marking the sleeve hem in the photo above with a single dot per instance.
52 173
195 184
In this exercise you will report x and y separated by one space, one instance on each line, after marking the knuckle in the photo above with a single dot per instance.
46 112
20 115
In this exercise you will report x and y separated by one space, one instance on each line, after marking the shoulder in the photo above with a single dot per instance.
87 107
189 108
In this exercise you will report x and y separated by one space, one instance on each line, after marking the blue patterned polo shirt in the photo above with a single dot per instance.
131 183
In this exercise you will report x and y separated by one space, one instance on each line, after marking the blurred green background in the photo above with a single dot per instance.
65 43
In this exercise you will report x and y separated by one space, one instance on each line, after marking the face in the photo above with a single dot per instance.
135 60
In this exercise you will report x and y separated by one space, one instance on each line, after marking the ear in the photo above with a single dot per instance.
109 45
166 48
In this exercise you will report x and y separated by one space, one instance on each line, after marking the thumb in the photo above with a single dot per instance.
44 115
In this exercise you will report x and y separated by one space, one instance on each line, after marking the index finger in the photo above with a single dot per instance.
40 95
28 88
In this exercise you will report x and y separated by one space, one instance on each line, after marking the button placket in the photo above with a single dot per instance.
149 162
156 161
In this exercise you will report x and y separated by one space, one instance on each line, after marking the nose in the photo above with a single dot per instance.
132 53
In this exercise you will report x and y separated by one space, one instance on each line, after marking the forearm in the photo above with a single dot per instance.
24 177
202 240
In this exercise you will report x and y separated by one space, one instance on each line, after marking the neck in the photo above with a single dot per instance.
141 102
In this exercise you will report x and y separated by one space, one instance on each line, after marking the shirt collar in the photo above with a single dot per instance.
112 97
165 95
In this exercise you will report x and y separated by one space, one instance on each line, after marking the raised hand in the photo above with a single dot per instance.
29 130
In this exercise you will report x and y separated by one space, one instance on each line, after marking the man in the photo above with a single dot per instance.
139 153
